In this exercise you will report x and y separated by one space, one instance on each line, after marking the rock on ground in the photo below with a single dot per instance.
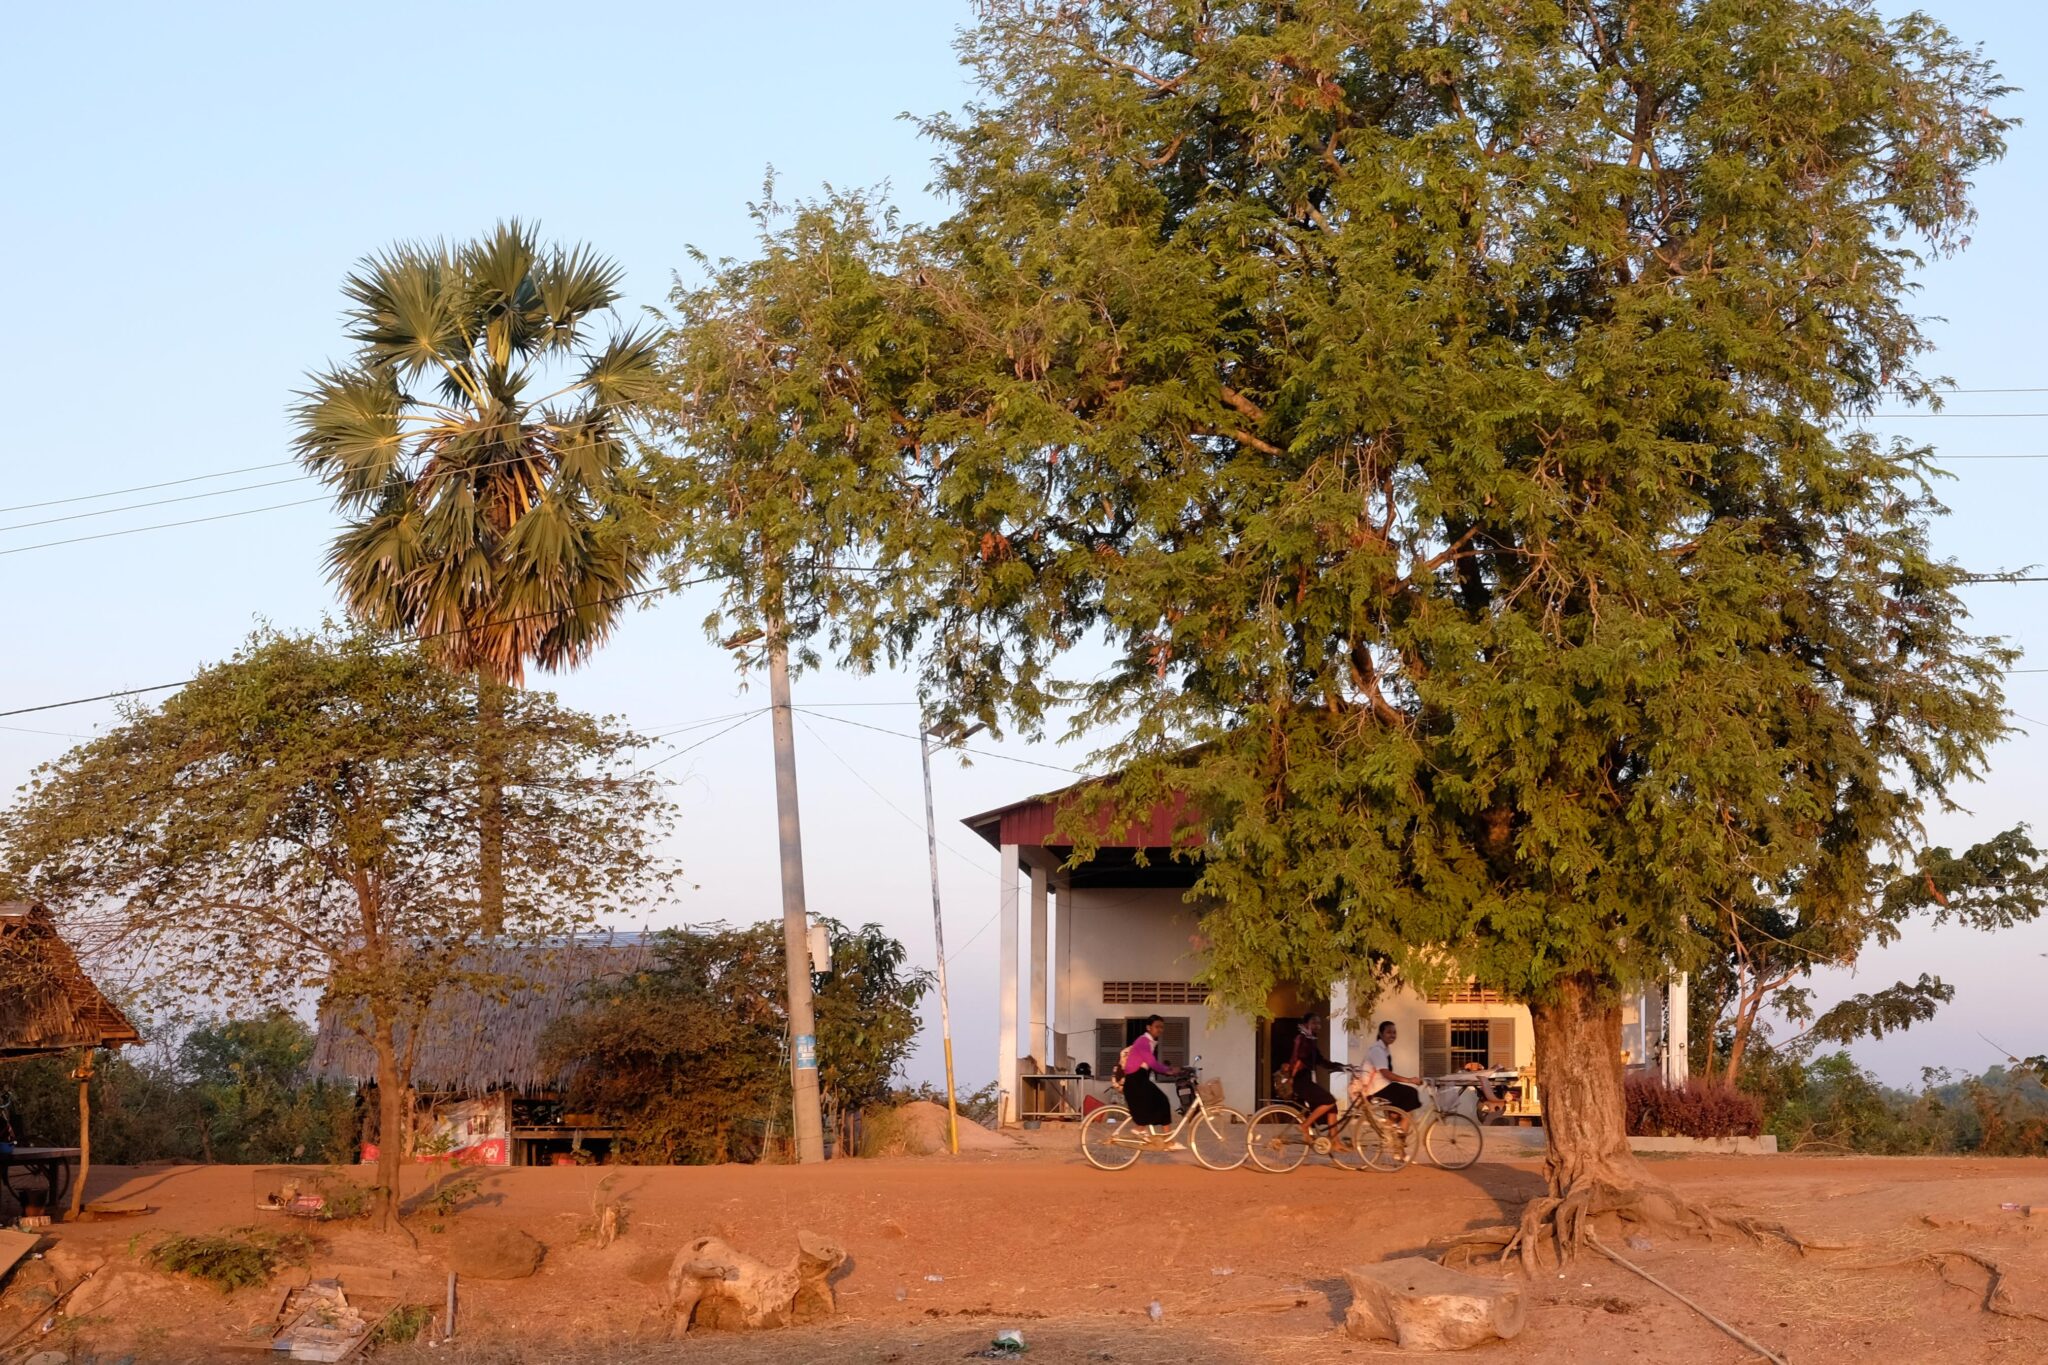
1422 1306
494 1254
714 1285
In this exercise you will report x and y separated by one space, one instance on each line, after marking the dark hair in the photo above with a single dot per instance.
1152 1019
1385 1024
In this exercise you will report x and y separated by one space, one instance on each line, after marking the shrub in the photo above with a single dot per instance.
232 1260
405 1323
1697 1109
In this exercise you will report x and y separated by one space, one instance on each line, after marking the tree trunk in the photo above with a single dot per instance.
1578 1063
490 782
84 1075
391 1090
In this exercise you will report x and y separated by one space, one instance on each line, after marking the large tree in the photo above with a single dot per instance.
303 819
1446 416
479 442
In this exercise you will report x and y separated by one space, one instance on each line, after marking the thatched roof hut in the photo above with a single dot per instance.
47 1003
477 1041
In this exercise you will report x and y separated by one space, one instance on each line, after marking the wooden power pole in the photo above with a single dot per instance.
805 1115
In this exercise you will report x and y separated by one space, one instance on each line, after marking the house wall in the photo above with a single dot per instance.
1124 934
1407 1010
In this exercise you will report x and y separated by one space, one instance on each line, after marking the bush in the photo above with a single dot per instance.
1697 1109
232 1260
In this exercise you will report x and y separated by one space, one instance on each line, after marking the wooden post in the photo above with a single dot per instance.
83 1075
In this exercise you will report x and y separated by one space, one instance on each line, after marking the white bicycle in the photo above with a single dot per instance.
1216 1135
1451 1138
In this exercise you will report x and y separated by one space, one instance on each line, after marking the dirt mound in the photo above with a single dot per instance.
919 1129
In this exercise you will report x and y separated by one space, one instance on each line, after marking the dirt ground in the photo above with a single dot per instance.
1245 1267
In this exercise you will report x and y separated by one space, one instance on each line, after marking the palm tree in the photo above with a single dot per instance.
488 513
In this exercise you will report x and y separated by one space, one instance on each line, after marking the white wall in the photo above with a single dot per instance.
1149 935
1407 1010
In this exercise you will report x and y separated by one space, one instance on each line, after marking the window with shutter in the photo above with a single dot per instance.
1173 1042
1500 1045
1436 1048
1109 1043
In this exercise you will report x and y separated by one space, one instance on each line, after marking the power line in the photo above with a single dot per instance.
985 753
883 796
145 487
162 525
650 767
221 492
155 502
408 640
615 598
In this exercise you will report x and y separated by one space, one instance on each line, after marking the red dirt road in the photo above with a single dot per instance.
1245 1267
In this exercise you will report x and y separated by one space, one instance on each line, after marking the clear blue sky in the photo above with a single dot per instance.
187 186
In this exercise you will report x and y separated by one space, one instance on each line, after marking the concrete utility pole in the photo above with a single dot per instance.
806 1119
925 741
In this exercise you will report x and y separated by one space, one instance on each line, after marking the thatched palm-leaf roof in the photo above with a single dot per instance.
47 1002
476 1040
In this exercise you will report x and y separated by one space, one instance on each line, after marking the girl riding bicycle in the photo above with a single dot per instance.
1148 1105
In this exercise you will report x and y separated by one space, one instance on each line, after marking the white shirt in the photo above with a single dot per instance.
1380 1062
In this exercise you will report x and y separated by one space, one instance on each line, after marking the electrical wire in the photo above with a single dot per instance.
161 526
961 748
650 767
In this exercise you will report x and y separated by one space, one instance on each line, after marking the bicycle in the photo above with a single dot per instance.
1451 1138
1110 1141
1275 1143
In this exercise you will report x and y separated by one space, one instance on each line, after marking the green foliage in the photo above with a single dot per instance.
306 818
689 1054
489 501
404 1324
1443 415
255 1101
238 1259
1760 955
449 1195
1829 1103
232 1090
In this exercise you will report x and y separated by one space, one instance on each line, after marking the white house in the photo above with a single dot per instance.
1114 940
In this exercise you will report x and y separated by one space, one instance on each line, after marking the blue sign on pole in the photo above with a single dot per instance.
806 1052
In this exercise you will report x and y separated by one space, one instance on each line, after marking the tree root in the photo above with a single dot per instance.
1566 1224
1997 1298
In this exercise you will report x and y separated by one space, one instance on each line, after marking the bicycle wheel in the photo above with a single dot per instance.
1345 1153
1218 1139
1454 1141
1274 1141
1378 1148
1100 1132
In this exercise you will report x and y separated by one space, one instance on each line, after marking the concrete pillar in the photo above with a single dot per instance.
1677 1029
1063 1021
1340 1049
1039 1045
1006 986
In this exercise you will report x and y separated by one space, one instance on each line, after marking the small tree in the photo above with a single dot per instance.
303 818
687 1054
1764 948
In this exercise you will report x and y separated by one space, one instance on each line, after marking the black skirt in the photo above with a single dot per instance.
1145 1101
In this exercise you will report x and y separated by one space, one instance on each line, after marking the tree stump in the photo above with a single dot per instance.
712 1285
1422 1306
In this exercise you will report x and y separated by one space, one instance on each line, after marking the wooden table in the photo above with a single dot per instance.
1046 1096
22 1168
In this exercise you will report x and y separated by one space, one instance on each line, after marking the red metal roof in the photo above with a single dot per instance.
1032 821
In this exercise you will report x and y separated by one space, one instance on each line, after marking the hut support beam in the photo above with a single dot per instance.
83 1075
